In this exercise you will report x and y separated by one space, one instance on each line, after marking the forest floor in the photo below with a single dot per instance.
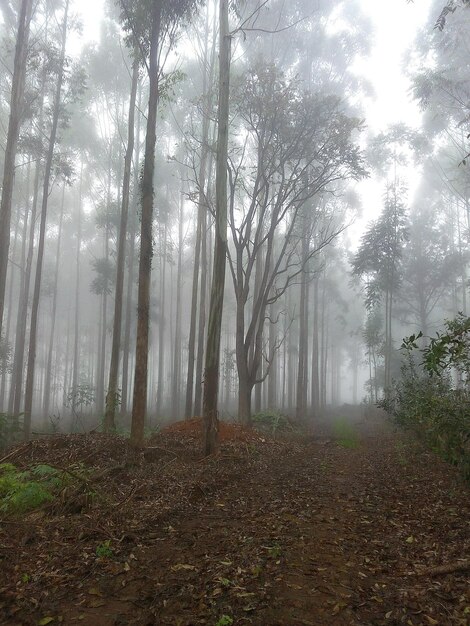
346 526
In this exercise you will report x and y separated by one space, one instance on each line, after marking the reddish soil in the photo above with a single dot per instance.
269 532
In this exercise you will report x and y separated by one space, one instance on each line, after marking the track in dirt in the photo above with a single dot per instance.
270 533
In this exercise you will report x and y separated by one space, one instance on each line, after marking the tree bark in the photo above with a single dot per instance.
176 379
112 396
145 262
42 233
14 123
48 372
212 364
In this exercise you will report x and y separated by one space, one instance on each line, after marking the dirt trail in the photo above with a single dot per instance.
336 530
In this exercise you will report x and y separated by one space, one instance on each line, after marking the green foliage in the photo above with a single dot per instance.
275 551
225 620
6 353
427 403
24 491
11 429
378 260
450 349
80 397
104 550
271 421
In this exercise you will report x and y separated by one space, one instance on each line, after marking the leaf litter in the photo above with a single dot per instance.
271 531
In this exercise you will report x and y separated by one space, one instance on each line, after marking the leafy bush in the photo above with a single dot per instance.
425 399
271 421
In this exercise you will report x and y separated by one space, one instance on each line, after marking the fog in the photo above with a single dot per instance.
342 225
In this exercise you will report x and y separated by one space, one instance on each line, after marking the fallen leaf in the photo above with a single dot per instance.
182 566
94 591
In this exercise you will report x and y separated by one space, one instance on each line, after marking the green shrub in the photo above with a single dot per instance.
425 401
271 421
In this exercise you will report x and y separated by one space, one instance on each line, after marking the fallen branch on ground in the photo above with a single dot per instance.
449 568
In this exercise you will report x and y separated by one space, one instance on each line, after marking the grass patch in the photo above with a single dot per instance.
344 434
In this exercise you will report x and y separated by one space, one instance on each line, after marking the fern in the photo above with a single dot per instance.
24 491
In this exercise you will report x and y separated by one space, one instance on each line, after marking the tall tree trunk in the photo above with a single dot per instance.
273 372
211 376
42 233
48 373
130 274
14 123
9 317
19 339
112 395
162 323
201 221
202 318
76 341
315 379
302 372
176 378
145 262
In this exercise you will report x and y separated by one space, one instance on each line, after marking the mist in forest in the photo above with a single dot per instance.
225 208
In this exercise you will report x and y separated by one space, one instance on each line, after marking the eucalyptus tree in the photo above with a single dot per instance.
441 85
58 113
207 66
212 359
378 262
427 285
14 123
296 146
112 393
153 27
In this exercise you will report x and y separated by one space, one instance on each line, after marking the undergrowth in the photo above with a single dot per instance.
25 490
271 421
11 429
426 402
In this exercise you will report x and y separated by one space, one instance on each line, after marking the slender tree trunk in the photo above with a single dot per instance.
130 275
19 339
211 376
202 319
273 372
206 98
162 323
145 262
48 373
9 316
42 234
18 362
76 341
14 123
315 380
176 379
112 395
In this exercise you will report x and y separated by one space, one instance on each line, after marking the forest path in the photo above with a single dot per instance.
336 530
